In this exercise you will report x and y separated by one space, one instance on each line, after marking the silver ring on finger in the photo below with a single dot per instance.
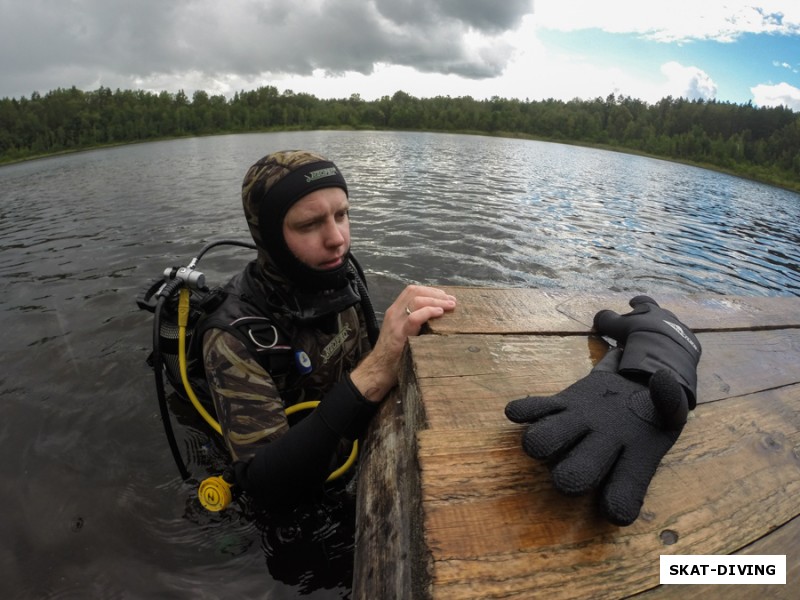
408 310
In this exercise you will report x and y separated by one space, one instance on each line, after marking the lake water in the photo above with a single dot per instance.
94 506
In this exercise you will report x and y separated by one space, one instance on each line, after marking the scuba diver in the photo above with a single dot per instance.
295 329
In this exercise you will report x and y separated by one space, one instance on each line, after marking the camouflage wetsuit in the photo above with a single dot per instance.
249 358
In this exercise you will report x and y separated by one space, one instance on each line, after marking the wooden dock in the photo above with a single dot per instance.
450 507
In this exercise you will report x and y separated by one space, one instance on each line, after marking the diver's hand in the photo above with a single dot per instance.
415 306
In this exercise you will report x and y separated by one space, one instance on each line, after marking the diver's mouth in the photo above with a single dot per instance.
332 264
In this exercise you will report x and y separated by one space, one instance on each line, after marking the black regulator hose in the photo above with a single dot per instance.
366 303
158 368
369 312
211 245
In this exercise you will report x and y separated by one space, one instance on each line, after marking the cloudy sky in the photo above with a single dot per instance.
735 51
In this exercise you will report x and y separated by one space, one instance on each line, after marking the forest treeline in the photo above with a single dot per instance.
758 142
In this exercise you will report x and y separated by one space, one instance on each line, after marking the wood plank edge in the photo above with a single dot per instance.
391 559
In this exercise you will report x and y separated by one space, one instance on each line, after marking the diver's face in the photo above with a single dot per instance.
317 228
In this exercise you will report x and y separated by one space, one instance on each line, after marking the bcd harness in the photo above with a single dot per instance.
184 309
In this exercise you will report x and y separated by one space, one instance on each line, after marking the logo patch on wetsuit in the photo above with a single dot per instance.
336 343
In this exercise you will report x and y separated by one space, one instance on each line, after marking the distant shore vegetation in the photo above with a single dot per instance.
761 143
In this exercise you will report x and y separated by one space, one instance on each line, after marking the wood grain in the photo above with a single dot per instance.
450 506
504 311
467 379
733 477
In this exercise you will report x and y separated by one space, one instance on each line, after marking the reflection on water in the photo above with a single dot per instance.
500 212
94 505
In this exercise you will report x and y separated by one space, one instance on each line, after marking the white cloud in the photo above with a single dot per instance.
785 65
781 94
538 72
688 82
675 21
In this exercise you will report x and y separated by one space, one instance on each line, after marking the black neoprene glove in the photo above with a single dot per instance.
653 339
607 430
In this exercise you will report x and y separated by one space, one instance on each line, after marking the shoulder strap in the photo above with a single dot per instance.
264 338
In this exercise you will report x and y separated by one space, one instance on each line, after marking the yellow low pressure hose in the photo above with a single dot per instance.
183 319
215 492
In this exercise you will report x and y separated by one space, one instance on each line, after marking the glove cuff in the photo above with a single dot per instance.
648 352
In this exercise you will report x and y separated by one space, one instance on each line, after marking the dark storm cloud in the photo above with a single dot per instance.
489 17
46 44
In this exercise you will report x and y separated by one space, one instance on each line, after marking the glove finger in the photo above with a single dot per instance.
586 465
607 322
642 299
550 437
610 323
624 493
669 399
533 408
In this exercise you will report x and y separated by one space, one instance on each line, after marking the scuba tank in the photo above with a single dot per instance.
178 300
169 298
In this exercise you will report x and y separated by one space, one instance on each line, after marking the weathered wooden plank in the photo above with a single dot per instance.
509 310
390 557
495 527
522 311
466 380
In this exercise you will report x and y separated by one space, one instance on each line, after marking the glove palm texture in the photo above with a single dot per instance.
602 430
609 430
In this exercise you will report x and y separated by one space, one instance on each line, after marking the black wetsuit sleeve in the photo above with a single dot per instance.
293 467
